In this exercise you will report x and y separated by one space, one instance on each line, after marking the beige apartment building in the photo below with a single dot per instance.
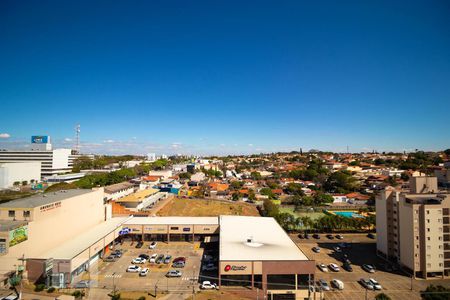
413 227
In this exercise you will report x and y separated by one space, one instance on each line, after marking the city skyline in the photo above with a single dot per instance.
203 78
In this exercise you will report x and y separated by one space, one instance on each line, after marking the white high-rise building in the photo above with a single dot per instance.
53 161
151 157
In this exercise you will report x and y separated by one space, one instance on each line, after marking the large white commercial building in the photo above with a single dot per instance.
53 161
19 172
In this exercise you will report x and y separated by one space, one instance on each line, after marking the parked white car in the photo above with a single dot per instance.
133 269
153 258
334 267
337 284
143 272
322 267
208 285
152 245
375 284
139 260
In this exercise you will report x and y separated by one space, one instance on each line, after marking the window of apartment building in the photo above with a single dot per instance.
428 220
440 264
439 220
416 211
446 211
429 256
12 213
417 237
428 238
428 247
440 229
428 212
441 255
26 213
428 229
429 265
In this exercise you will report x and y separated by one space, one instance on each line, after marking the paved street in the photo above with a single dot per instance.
362 251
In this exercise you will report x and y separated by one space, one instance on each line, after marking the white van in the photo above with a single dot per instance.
337 284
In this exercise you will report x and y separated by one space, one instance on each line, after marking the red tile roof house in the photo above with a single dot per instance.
357 198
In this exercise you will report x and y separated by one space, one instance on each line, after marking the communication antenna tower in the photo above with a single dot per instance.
77 139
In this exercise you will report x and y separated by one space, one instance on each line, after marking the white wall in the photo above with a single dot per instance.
61 158
20 171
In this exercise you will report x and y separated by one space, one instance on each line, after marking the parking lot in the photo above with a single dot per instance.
109 274
362 250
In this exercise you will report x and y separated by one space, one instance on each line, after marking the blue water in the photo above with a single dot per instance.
348 214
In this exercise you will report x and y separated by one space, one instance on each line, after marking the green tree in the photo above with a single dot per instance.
435 292
341 182
404 176
255 175
185 175
24 182
268 192
270 208
447 152
382 296
235 196
237 185
294 189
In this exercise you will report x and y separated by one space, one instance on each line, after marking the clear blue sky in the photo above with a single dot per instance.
226 76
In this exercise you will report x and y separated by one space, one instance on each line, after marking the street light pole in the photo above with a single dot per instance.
114 283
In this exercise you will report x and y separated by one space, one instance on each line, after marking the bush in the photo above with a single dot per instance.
141 298
78 294
39 287
51 289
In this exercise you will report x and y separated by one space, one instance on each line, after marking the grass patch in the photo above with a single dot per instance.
206 208
312 215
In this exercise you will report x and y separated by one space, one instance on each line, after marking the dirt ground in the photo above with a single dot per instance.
206 207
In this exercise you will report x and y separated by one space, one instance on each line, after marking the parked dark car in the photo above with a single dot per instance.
316 236
371 236
307 236
139 245
160 259
117 253
110 258
179 259
347 267
144 256
330 236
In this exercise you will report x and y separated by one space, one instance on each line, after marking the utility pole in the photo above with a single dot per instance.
412 280
114 283
366 293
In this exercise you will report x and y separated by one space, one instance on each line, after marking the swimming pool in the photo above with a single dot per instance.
347 214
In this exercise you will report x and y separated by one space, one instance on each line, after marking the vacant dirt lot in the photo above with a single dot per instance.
205 208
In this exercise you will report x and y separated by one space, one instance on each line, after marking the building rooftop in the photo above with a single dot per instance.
8 225
114 188
44 198
83 241
173 221
255 238
139 196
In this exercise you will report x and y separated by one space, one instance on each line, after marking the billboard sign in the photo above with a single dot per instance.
18 235
40 139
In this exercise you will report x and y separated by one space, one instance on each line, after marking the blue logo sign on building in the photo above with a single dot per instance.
39 139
